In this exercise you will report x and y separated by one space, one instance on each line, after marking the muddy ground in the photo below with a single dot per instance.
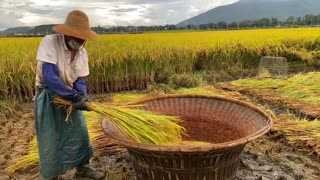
269 157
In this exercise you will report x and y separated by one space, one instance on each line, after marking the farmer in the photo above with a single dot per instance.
62 64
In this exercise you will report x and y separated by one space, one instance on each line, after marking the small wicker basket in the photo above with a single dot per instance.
226 123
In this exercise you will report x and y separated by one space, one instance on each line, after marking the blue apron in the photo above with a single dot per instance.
62 145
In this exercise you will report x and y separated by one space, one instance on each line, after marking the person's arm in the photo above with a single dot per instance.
52 80
80 86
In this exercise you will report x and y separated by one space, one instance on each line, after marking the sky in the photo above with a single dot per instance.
14 13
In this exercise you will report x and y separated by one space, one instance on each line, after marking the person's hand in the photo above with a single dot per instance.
79 102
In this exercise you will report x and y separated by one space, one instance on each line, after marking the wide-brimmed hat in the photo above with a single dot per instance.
76 25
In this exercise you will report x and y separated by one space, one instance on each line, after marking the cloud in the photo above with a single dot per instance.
112 12
122 14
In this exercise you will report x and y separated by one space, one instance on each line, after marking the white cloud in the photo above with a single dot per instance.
48 2
123 14
171 12
112 12
33 19
29 18
192 11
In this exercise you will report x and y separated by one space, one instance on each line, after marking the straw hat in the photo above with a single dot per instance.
76 25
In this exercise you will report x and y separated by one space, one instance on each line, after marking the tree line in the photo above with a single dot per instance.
307 20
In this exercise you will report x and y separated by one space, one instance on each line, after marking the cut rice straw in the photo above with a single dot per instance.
102 146
142 126
302 133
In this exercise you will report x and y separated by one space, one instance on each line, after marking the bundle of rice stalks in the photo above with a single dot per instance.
126 97
142 126
102 146
304 87
301 133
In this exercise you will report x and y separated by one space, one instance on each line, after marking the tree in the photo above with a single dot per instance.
274 22
291 20
308 19
222 25
211 25
234 25
300 21
203 26
317 18
190 26
170 27
246 23
264 22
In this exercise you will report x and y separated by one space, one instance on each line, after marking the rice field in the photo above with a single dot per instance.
133 61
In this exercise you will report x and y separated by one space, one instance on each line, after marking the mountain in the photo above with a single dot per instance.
16 30
42 30
255 9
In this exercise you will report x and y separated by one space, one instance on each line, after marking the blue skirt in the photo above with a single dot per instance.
62 145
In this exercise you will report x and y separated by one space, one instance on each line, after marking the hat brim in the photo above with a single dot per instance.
86 34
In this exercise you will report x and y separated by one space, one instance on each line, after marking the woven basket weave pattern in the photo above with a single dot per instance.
228 124
211 165
219 121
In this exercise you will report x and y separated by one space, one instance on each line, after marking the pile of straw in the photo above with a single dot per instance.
302 133
304 87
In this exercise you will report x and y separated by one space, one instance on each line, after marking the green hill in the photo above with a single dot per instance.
16 30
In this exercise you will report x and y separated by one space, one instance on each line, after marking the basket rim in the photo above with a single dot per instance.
194 148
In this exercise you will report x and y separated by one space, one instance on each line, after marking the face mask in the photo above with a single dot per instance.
74 45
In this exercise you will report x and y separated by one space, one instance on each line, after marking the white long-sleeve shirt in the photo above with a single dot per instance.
53 50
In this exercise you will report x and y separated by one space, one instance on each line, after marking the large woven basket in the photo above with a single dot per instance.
228 124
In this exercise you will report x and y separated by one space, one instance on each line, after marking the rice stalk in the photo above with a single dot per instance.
127 62
301 133
142 126
304 87
101 145
126 97
27 161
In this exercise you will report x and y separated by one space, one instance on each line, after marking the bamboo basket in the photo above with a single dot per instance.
226 123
